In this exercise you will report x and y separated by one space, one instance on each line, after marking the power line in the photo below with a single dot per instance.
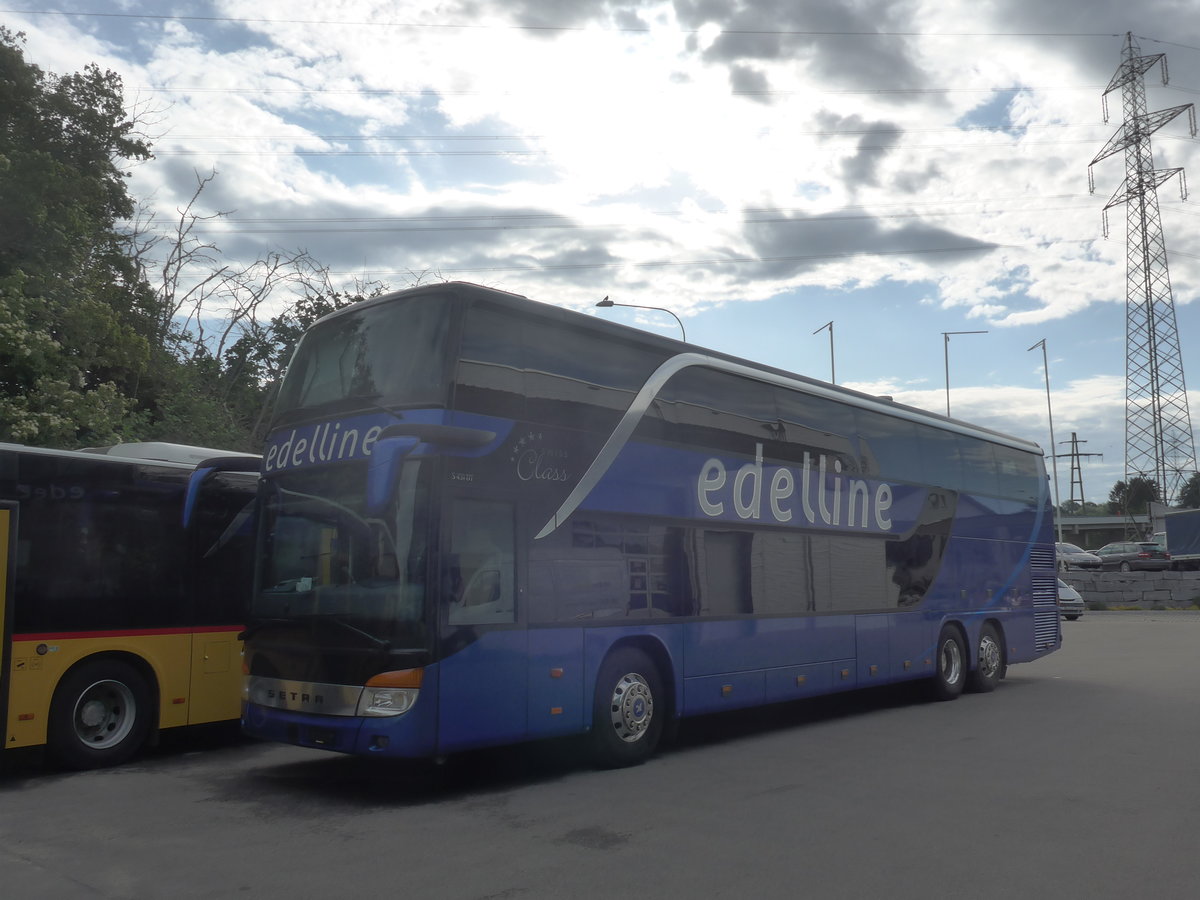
349 225
828 132
646 29
850 134
382 153
431 92
875 210
718 261
728 260
753 215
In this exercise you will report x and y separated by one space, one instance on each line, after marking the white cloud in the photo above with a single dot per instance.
941 146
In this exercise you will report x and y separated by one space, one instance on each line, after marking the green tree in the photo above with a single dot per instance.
1087 508
1189 495
1133 496
76 320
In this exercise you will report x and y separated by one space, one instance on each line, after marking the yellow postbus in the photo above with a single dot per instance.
124 575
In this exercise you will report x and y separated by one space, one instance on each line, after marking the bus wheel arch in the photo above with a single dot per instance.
951 662
991 663
631 706
104 710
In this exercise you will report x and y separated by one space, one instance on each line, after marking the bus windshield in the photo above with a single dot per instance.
325 555
376 355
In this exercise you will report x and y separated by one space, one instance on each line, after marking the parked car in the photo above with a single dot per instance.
1070 603
1133 555
1072 557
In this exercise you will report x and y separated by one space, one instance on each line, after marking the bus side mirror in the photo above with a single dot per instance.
384 466
413 441
210 467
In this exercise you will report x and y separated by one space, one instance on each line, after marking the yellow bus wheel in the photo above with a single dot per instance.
100 716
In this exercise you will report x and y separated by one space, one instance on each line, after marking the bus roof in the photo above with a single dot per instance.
158 452
522 305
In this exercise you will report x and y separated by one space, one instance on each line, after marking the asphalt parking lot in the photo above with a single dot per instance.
1075 778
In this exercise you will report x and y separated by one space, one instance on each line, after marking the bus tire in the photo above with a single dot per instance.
100 715
990 666
950 674
628 710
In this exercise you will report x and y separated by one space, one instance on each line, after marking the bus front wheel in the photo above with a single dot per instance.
629 708
100 715
951 674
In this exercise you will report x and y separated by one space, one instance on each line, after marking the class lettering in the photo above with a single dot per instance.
541 465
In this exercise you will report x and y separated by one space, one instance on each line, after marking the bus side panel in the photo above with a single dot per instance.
873 648
40 661
739 662
911 645
557 703
483 695
739 645
216 683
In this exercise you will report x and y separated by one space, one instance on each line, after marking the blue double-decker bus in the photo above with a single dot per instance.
486 520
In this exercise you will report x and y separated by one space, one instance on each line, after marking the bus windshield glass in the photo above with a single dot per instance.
326 555
380 354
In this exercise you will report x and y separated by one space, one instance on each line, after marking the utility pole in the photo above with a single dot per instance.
1159 447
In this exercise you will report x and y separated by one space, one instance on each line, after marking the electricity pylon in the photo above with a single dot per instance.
1076 470
1158 425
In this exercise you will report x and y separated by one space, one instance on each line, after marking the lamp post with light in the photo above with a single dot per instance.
946 348
1050 416
606 303
832 369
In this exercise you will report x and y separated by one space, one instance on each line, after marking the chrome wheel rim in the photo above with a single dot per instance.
632 707
950 661
104 714
989 656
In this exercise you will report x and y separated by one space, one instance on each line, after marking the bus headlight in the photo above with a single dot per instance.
390 693
386 701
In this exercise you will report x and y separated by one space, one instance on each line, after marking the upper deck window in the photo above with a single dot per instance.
389 354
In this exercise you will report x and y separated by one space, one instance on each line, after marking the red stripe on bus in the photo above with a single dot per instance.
138 632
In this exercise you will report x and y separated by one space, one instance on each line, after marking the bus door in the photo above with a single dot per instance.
8 538
483 678
221 536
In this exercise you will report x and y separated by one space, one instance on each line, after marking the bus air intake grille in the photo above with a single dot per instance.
1041 559
1045 611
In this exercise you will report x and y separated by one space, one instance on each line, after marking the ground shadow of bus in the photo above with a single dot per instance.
363 783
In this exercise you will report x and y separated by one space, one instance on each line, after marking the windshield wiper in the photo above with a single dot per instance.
380 643
260 624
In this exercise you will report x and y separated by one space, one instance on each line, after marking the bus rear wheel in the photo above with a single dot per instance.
628 711
100 715
990 669
951 675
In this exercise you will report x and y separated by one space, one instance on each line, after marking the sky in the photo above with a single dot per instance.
774 173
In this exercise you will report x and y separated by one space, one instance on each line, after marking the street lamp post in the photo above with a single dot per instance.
1050 416
606 303
946 349
832 370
